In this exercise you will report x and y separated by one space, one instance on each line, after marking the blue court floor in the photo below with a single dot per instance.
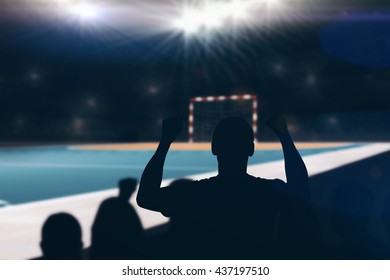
34 174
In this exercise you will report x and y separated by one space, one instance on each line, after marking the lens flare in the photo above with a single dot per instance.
84 10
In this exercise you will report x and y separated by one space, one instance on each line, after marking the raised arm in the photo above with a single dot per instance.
149 189
296 172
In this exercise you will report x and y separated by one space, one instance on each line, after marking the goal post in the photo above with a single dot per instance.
205 112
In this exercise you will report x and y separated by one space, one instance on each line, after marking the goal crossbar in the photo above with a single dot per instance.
237 97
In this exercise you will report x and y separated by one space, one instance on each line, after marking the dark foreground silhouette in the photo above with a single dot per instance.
117 231
233 215
353 205
61 238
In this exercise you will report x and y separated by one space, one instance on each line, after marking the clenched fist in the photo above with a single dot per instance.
171 127
278 125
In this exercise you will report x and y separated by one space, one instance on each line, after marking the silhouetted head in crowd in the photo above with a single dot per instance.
232 143
117 232
61 238
127 187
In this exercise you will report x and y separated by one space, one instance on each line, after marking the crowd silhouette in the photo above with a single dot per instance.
230 216
61 238
117 231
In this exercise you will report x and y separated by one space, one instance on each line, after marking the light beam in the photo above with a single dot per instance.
84 10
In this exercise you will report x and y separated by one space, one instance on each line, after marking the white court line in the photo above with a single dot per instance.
21 224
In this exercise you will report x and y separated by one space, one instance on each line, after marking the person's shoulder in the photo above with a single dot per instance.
179 183
268 182
206 183
206 180
179 186
109 201
274 187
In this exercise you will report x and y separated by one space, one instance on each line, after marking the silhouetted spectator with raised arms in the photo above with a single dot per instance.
233 215
117 232
61 238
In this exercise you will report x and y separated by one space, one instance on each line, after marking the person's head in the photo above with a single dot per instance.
127 187
233 140
61 237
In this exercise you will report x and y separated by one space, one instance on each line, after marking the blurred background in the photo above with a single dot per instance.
110 71
82 71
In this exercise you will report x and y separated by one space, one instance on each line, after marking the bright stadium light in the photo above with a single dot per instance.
204 18
84 10
220 15
238 9
212 15
273 2
190 22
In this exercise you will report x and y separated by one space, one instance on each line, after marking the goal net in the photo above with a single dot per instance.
206 112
